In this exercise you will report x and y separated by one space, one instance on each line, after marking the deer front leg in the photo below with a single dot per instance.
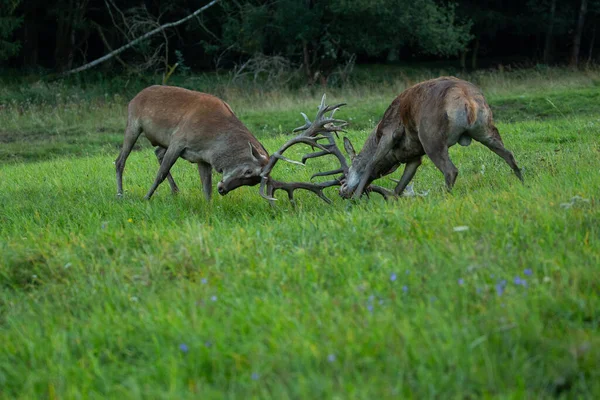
205 171
407 175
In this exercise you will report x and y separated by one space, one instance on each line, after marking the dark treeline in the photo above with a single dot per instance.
317 37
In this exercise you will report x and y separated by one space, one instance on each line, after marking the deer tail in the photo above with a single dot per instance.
471 109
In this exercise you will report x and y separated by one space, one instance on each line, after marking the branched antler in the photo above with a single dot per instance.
323 128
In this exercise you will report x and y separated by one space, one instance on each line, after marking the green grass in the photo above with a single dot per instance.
97 294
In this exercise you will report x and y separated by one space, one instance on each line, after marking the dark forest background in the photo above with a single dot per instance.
316 38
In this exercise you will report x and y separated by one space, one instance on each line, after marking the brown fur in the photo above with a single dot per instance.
198 127
426 118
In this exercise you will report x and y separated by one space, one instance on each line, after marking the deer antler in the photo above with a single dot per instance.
323 128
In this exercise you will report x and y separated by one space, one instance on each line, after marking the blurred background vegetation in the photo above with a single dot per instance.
294 42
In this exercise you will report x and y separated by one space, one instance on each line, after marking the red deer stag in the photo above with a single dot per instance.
197 127
426 118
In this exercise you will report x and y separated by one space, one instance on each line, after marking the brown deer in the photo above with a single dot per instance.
197 127
426 118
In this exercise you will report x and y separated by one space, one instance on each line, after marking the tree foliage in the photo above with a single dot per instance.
8 23
318 36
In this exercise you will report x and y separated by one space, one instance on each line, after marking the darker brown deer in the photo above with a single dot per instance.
425 119
197 127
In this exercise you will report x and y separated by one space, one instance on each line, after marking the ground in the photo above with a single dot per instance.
492 291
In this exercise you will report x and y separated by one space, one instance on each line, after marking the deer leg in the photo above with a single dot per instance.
205 171
497 147
132 133
169 158
438 153
160 154
409 172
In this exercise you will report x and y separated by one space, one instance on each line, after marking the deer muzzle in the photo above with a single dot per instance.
222 189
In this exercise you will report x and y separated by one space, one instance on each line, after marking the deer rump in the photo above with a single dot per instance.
425 119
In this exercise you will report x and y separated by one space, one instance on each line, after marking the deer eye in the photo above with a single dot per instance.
248 172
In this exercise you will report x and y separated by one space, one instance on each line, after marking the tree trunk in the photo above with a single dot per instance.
63 38
548 41
306 61
474 55
592 42
30 39
578 32
463 60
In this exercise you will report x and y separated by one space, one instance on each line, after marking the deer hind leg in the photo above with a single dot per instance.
169 158
493 142
132 133
436 148
160 154
410 169
205 171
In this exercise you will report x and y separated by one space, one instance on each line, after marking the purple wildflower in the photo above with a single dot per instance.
183 347
528 271
500 288
393 277
370 307
461 281
255 376
213 298
208 343
204 281
517 280
331 358
405 288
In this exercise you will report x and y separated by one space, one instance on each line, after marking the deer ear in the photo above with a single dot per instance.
398 134
349 148
255 153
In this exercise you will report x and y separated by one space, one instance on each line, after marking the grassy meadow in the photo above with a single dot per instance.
179 298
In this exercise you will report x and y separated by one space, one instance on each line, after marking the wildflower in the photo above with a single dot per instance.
393 277
183 347
331 358
461 228
370 307
130 220
405 288
517 280
255 376
521 282
500 287
528 271
213 298
204 281
461 281
208 343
